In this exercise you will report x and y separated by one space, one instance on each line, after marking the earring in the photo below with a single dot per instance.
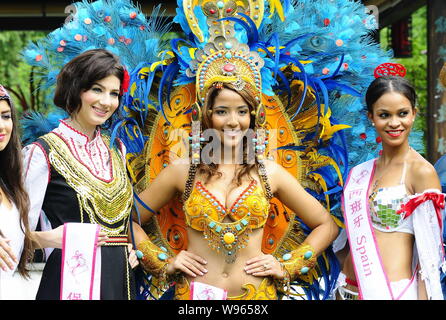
195 135
260 141
373 124
261 138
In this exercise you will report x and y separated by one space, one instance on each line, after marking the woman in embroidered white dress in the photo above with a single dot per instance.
73 175
400 233
15 241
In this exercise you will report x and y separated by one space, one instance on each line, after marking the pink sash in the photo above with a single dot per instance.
373 283
426 207
81 262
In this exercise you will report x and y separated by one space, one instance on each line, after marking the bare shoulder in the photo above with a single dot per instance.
273 169
422 174
277 175
420 167
180 165
271 165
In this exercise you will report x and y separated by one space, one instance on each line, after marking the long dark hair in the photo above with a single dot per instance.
210 170
13 185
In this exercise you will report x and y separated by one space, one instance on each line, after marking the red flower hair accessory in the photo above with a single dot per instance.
390 69
125 83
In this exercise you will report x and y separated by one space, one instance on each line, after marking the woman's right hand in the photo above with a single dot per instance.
53 238
188 263
7 257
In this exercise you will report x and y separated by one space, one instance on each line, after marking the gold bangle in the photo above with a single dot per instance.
298 262
153 258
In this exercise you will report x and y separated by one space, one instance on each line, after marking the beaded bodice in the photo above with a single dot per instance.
205 213
251 207
106 202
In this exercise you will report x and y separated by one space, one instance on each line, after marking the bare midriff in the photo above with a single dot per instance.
395 249
229 276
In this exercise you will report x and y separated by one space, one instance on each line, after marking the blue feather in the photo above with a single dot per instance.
35 124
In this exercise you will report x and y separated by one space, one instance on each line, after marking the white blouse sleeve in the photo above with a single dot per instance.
429 245
37 177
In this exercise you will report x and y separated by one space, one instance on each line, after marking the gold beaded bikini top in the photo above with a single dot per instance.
205 213
251 207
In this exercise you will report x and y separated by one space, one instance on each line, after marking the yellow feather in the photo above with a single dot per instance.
132 88
155 64
276 5
328 129
192 52
129 167
318 178
170 53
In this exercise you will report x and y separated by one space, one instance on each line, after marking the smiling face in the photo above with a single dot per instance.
98 103
230 117
6 125
393 116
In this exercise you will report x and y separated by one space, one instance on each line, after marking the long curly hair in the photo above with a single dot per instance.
211 170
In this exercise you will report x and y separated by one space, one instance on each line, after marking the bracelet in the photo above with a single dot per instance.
283 285
298 262
154 259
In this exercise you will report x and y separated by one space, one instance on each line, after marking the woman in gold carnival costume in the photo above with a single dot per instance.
15 239
394 221
278 74
73 176
226 203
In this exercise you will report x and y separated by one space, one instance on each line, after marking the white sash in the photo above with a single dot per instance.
81 262
203 291
373 283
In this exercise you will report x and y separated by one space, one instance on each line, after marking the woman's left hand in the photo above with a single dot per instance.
133 259
263 266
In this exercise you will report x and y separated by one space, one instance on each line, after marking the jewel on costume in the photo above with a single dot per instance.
195 135
229 67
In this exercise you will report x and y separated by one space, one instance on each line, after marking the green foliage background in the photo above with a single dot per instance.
416 65
15 74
